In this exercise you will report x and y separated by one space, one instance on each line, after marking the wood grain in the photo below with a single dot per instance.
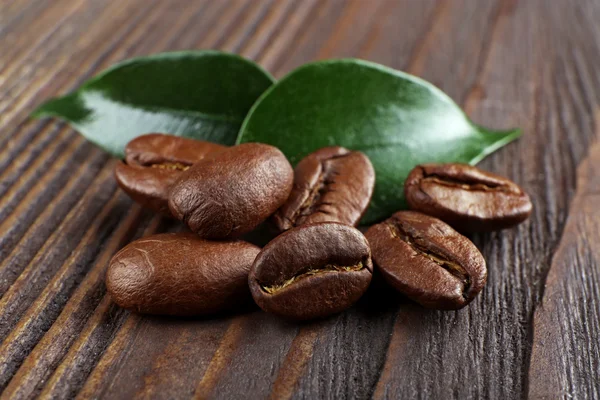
571 300
534 330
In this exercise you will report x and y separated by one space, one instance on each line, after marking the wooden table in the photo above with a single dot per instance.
533 331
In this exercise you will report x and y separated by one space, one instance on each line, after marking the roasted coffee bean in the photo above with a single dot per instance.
312 271
426 260
331 184
469 199
181 274
230 193
152 164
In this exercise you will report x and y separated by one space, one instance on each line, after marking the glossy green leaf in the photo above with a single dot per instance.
198 94
398 120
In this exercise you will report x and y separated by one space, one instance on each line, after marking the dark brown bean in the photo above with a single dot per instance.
428 261
469 199
312 271
152 164
181 274
331 184
230 193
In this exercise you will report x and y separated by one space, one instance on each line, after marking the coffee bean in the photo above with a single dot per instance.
428 261
331 184
469 199
152 164
181 274
230 193
312 271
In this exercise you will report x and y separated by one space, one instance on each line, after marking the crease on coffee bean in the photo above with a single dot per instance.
162 163
272 289
482 187
453 268
176 166
313 201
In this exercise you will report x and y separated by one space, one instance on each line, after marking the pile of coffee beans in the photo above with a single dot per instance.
319 264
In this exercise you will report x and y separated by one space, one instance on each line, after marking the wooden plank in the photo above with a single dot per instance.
564 358
53 346
534 329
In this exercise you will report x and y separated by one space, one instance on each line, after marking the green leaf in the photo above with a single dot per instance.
398 120
198 94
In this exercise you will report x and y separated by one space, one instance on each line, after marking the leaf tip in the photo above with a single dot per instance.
41 112
503 138
514 133
508 136
69 108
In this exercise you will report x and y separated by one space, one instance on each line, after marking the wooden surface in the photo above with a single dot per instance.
534 331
